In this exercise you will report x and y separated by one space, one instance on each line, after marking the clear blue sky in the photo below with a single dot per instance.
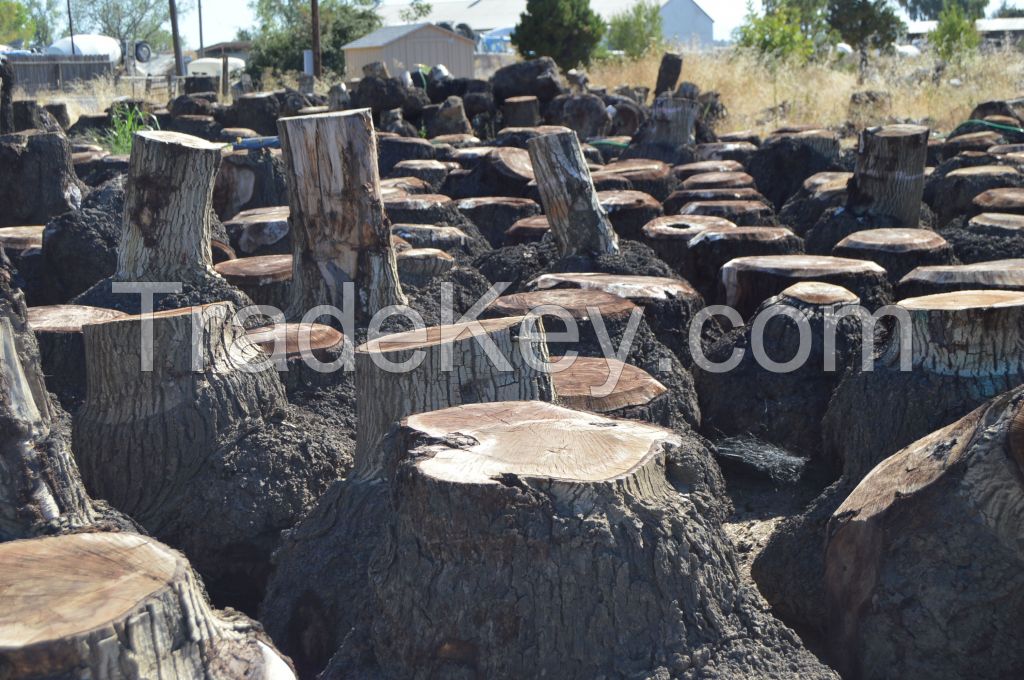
223 18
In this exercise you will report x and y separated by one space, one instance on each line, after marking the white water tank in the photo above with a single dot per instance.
88 44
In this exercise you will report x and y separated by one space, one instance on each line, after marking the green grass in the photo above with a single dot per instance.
127 120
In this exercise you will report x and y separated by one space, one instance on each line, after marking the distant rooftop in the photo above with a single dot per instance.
983 26
389 34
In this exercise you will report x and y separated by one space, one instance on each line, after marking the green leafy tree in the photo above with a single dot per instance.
50 22
416 10
568 31
1005 11
15 23
637 29
929 10
776 35
285 29
954 36
865 25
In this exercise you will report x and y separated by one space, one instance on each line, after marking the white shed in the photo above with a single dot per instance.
401 47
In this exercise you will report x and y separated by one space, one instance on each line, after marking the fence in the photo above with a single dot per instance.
34 72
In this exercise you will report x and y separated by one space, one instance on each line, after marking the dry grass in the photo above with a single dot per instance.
819 94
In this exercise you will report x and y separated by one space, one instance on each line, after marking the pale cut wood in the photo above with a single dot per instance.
257 271
889 177
296 340
339 232
997 274
719 180
998 224
638 289
579 223
893 240
16 239
819 293
68 318
108 606
420 266
581 384
259 227
581 304
430 236
686 170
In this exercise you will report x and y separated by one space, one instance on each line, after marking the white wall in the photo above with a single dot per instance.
684 23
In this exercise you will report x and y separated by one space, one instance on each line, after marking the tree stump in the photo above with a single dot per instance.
493 215
669 237
266 279
932 533
396 149
669 70
291 344
889 178
320 590
990 275
419 266
679 198
1007 200
403 186
167 227
664 135
431 172
629 211
985 237
719 180
898 251
971 141
521 111
513 576
578 221
15 240
527 230
780 165
586 386
339 231
37 179
744 213
711 249
106 605
648 176
953 193
429 236
819 192
687 170
739 151
58 330
748 281
260 231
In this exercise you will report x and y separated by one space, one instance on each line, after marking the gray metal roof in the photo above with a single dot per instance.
389 34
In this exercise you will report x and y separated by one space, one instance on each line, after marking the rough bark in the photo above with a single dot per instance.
669 70
37 179
579 224
543 591
339 231
986 237
669 237
993 274
319 591
521 111
923 560
670 128
120 606
629 211
889 176
711 249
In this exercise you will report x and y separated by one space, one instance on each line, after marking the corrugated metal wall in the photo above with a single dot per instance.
428 46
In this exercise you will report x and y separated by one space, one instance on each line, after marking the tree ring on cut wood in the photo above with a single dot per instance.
580 386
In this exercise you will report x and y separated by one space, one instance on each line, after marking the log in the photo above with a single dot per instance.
629 211
898 251
889 178
521 111
106 606
669 70
320 589
579 223
584 386
711 249
995 275
671 127
461 593
929 538
339 232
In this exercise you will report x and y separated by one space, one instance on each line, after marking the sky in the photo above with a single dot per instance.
223 18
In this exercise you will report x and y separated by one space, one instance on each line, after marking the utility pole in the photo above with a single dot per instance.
179 62
71 29
202 47
317 70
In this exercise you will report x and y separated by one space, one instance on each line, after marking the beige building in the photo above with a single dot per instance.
401 47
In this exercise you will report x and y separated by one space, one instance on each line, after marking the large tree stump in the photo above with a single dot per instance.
579 224
203 449
989 275
540 592
521 111
745 213
669 237
629 211
819 192
953 193
898 251
110 606
986 237
589 384
260 231
264 278
37 179
320 590
167 226
337 219
889 177
650 177
711 249
670 128
923 563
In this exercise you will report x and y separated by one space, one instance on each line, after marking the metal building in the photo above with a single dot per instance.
401 47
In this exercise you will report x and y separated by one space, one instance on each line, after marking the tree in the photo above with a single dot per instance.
15 23
955 35
930 10
776 35
568 31
284 30
47 16
417 9
637 29
1004 11
127 20
865 24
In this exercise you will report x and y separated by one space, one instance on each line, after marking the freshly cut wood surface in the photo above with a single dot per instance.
255 271
577 302
638 289
820 293
683 227
994 274
1007 199
966 299
802 265
717 180
581 386
296 337
437 335
984 171
533 439
894 240
68 318
745 234
998 224
21 238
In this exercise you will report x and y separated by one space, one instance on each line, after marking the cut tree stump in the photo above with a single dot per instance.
15 240
898 251
260 231
669 237
743 213
738 151
430 171
953 194
579 496
1008 200
748 281
992 275
521 111
819 192
264 278
589 385
889 178
320 589
111 606
649 176
167 228
671 128
419 266
579 222
339 232
421 209
629 211
37 178
687 170
986 237
719 180
292 344
527 230
669 70
932 533
711 249
430 236
681 197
